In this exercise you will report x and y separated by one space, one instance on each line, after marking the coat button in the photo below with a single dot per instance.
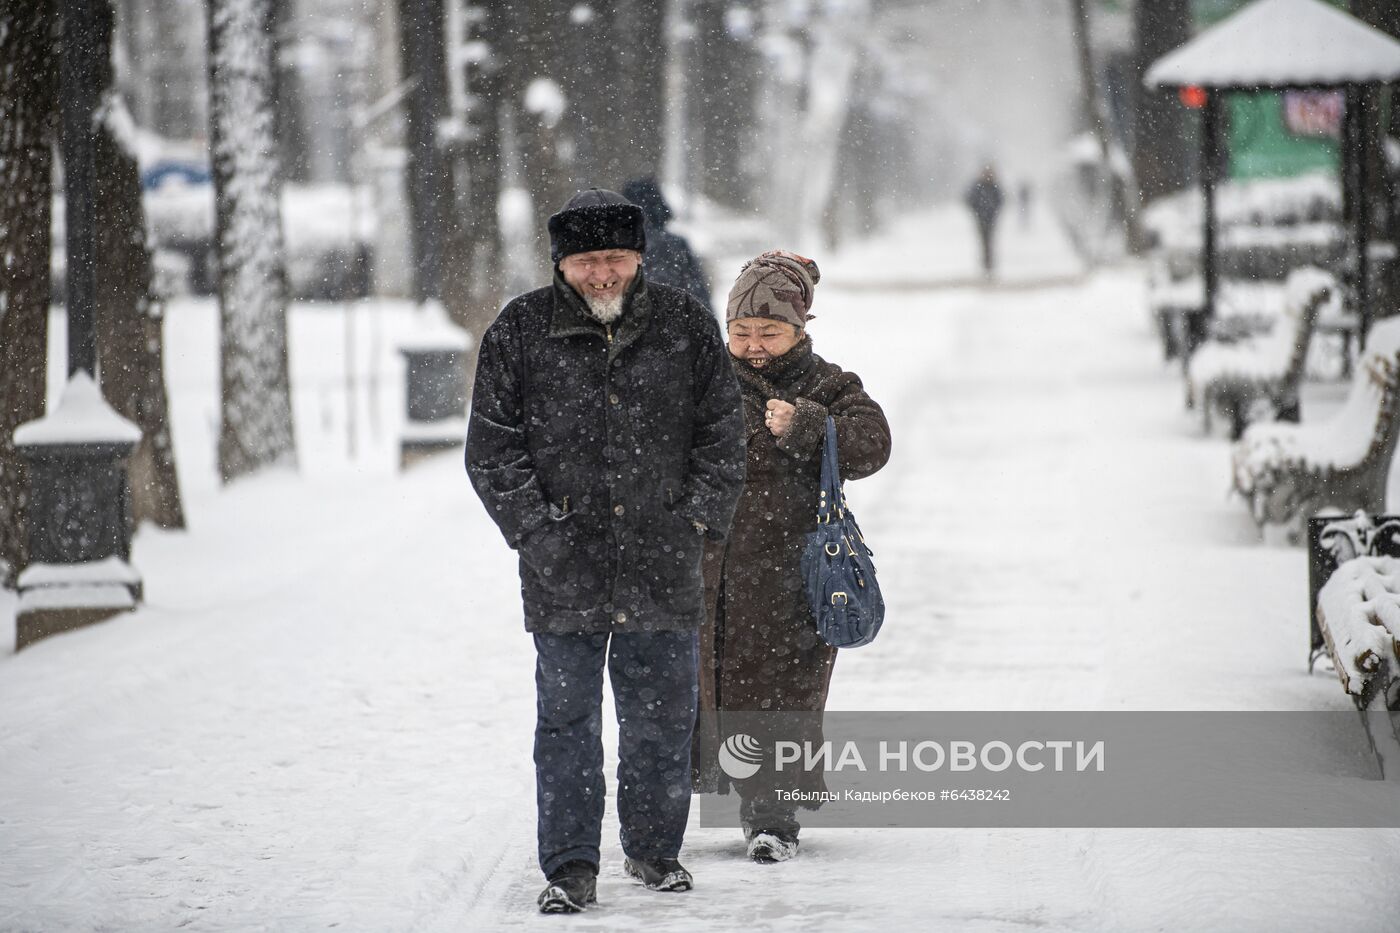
620 617
613 398
619 509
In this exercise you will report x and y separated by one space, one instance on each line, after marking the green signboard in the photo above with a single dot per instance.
1271 134
1264 145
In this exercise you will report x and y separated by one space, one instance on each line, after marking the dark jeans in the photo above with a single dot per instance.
985 233
654 684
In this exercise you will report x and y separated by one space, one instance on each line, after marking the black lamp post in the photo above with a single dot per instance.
79 510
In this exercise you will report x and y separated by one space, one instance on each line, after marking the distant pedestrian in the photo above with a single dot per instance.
984 199
607 442
668 259
763 653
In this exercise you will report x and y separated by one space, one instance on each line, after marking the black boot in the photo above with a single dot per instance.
572 887
772 845
662 874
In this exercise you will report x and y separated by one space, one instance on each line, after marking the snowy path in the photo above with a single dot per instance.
321 717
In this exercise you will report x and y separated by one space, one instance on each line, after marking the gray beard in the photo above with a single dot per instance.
605 310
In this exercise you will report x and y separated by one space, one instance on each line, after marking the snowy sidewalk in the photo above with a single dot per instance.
939 249
322 715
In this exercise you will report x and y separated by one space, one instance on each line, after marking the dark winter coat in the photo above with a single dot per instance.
984 200
595 448
669 259
763 651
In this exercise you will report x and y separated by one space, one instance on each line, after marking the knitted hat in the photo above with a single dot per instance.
776 284
596 219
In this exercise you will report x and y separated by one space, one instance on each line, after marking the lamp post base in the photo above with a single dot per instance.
56 598
38 624
79 515
421 440
435 394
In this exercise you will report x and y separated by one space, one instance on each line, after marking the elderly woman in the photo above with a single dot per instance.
762 652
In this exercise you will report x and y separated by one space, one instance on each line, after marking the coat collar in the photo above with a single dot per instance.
571 317
776 379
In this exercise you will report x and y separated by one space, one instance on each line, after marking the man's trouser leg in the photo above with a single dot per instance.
655 686
569 785
765 813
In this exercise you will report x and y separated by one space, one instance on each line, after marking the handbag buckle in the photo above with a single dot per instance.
845 600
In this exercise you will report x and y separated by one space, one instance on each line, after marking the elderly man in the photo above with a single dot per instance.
607 442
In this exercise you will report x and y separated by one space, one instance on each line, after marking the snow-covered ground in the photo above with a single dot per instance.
940 248
321 717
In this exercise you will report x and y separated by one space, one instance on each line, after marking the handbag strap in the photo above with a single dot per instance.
831 497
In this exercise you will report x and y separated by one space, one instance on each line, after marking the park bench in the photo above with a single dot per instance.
1354 590
1289 471
1257 377
1248 299
1260 253
1267 228
1243 309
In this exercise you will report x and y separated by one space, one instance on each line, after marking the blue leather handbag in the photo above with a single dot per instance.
837 566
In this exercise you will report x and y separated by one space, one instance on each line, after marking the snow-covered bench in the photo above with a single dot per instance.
1265 229
1356 620
1287 471
1258 253
1257 377
1242 309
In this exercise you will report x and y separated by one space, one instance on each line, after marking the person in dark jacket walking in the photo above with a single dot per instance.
668 259
606 442
763 652
984 199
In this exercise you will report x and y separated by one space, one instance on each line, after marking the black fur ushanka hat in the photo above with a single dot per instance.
593 220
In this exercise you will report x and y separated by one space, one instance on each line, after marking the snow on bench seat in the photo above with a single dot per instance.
1238 380
1356 615
1287 471
1359 614
1242 308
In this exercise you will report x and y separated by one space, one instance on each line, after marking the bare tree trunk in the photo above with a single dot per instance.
256 395
1161 145
292 137
573 48
482 166
614 121
28 122
1383 195
1096 120
543 173
1385 16
130 335
421 26
829 88
533 53
636 144
722 80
